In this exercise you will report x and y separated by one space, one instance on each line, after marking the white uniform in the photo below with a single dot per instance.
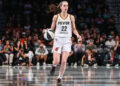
63 34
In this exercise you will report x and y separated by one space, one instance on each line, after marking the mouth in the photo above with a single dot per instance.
65 9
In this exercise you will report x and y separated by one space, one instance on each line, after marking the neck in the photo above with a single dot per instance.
64 14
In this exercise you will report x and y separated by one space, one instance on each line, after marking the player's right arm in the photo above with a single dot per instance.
54 20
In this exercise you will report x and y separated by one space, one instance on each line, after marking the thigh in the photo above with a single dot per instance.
66 47
57 45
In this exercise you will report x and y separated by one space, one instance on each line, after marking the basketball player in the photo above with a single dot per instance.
63 24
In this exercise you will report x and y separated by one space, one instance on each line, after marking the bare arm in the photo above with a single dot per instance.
83 58
53 25
74 27
18 54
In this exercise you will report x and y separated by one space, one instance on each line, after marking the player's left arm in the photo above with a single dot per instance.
74 27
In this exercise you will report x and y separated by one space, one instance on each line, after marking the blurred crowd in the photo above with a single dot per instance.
22 41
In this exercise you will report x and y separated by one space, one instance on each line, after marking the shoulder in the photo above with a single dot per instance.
55 16
37 49
72 17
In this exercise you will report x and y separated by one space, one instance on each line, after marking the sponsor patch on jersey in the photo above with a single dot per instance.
63 32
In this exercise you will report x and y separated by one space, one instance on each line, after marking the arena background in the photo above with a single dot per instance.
22 23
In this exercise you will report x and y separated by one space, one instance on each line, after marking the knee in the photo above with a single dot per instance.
56 62
11 55
63 63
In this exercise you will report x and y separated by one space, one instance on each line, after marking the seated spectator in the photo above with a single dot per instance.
2 56
91 46
88 58
27 46
100 43
111 58
79 50
110 43
41 53
29 54
8 53
22 59
117 46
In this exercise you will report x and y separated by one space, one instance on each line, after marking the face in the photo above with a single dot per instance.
29 38
35 37
41 45
79 42
91 42
101 39
64 7
117 38
88 51
7 42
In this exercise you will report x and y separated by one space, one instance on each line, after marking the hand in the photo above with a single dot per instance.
44 30
79 37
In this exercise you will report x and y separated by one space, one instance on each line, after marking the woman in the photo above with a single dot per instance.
8 53
88 58
22 59
64 24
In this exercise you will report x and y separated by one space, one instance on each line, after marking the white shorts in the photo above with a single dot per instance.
62 44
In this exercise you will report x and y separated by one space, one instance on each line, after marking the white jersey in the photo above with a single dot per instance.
63 27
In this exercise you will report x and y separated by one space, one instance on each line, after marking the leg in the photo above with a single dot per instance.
56 60
11 59
30 56
6 58
45 58
63 63
38 58
41 59
66 49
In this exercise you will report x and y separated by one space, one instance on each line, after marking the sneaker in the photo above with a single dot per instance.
95 66
44 65
52 71
38 64
117 66
108 66
75 65
59 80
86 65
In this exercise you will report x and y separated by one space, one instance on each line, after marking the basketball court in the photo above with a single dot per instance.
74 76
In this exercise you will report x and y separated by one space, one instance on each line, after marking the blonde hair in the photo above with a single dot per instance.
60 4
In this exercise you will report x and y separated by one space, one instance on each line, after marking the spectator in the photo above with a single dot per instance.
8 53
79 50
91 46
2 56
41 53
88 58
110 43
21 58
111 59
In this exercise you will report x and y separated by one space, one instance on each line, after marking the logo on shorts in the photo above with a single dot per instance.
56 49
